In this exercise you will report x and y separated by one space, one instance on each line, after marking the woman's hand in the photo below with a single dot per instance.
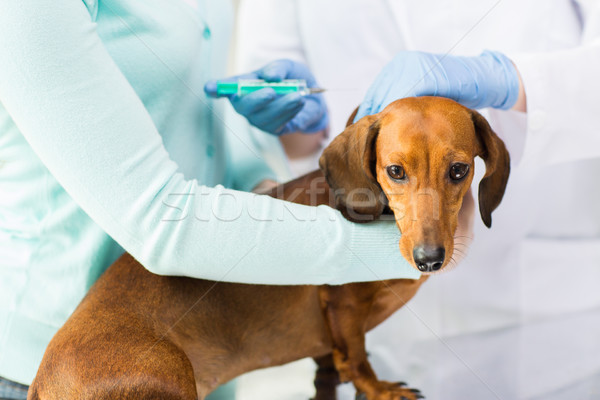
487 80
275 114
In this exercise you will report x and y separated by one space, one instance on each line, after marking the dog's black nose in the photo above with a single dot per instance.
429 259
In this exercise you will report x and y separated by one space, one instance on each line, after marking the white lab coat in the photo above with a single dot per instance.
541 259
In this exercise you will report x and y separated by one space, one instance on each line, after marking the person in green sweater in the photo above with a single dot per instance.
109 144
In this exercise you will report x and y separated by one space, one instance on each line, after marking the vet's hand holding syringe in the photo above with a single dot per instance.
287 101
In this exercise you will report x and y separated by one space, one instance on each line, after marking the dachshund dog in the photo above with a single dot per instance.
137 335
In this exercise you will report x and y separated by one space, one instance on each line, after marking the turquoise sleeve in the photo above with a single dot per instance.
246 166
90 129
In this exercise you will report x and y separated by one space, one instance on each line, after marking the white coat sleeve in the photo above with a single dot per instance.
563 94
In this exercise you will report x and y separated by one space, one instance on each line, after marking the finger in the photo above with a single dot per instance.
251 103
375 101
278 117
312 118
276 71
274 117
363 110
287 69
210 88
382 94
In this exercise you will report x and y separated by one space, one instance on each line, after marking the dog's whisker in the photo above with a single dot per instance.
462 236
453 263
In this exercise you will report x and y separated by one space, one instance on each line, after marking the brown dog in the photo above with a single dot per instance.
137 335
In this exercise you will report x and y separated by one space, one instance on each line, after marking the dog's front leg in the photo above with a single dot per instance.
346 309
326 379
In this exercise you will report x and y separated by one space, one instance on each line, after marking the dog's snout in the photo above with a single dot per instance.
429 259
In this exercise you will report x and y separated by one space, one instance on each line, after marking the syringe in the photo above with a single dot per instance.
245 86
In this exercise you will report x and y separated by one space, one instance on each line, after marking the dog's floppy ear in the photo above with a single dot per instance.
497 167
348 164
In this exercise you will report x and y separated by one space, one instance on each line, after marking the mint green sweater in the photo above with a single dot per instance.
107 142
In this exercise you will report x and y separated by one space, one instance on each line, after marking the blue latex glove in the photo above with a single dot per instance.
487 80
274 113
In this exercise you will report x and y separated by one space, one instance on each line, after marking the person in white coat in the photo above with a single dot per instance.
541 259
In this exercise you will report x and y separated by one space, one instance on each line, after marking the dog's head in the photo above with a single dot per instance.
417 158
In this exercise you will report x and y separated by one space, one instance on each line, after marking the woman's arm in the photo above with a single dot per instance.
90 129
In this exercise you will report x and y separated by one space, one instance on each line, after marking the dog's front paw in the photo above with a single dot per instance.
391 391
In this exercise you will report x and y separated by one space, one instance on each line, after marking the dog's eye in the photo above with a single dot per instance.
396 172
458 171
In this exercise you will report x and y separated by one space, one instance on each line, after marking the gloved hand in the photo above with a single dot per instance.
487 80
279 114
